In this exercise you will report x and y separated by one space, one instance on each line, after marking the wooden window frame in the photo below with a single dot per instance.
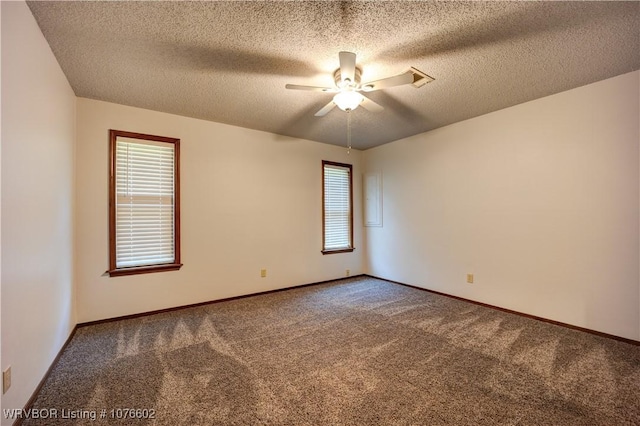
341 250
114 271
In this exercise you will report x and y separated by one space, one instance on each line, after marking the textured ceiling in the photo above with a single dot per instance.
229 61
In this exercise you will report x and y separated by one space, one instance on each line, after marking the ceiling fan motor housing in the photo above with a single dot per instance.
337 78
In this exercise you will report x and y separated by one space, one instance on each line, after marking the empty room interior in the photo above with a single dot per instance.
320 212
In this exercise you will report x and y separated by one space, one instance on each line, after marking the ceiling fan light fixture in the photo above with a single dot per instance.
348 100
347 88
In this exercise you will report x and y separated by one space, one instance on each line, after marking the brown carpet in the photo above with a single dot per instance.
358 351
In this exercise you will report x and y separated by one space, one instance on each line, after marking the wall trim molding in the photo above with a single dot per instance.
31 400
38 388
210 302
46 375
510 311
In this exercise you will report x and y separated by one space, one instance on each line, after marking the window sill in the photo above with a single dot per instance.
344 250
144 269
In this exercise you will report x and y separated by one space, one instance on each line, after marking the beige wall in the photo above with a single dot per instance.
539 201
38 133
250 200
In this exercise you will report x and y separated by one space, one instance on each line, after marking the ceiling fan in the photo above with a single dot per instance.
348 87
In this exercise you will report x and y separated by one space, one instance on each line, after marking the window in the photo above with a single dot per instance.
337 208
144 203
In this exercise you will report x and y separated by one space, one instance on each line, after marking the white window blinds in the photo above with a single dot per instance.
145 206
337 207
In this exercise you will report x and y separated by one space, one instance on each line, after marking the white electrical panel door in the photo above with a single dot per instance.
372 185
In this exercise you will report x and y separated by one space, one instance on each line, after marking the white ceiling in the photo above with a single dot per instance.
229 61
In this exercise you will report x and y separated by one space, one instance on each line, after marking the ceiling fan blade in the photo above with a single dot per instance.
397 80
369 105
347 66
325 109
313 88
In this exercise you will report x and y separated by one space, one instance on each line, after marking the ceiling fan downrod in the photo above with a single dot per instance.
348 131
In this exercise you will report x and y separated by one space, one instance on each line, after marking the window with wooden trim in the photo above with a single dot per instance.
144 203
337 208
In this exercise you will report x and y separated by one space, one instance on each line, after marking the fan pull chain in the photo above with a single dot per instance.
348 132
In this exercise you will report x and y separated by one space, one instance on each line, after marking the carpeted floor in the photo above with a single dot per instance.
359 351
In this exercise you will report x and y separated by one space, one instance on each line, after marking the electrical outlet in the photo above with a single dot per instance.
348 272
470 278
263 273
6 380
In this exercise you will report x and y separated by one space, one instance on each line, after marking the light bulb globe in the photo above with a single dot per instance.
348 100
